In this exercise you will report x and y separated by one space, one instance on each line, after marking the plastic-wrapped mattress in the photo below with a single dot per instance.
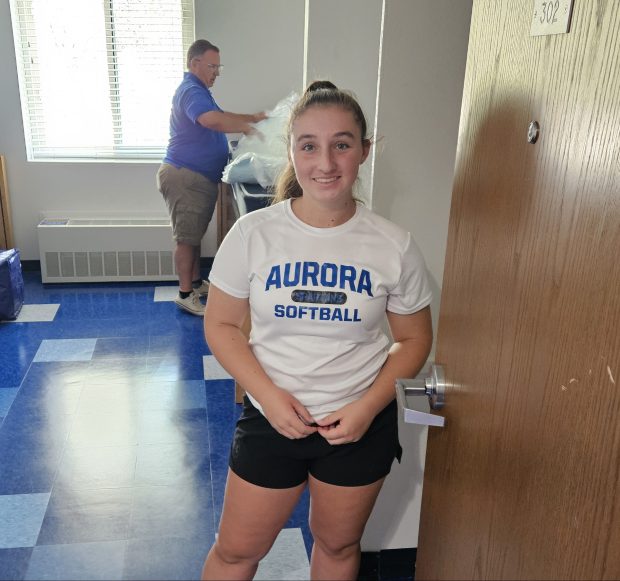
11 285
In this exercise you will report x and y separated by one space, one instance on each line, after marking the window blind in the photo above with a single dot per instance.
97 76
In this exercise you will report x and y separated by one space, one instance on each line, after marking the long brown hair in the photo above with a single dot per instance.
318 94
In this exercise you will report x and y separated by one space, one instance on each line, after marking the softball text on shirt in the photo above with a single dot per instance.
309 299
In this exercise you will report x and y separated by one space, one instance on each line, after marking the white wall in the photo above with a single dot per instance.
422 72
422 69
343 41
262 50
258 74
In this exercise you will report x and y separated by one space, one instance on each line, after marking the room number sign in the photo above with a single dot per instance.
551 17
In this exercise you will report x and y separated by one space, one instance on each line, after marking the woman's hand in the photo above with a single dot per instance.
287 416
346 425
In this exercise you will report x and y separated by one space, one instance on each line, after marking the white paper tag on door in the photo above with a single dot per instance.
551 17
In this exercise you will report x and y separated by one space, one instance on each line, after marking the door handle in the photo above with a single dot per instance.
432 387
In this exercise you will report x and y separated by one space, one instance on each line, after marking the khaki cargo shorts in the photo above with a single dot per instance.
190 198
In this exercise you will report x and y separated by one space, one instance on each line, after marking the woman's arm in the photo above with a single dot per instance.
223 320
413 337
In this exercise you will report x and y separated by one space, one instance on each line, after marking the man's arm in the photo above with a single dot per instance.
226 122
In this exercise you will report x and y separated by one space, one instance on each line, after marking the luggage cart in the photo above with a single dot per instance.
249 197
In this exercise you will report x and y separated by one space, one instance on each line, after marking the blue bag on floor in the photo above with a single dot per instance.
11 285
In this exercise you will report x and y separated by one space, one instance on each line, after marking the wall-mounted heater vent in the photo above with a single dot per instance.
105 250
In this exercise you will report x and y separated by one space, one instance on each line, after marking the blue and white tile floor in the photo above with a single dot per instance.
115 423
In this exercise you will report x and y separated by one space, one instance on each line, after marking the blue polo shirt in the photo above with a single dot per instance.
191 145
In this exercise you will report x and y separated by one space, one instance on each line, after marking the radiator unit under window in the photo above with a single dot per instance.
105 250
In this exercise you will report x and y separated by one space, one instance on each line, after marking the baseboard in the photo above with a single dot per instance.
31 265
387 564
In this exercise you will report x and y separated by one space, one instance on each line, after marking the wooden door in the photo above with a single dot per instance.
524 480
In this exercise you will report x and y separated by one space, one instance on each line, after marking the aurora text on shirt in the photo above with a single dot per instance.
326 275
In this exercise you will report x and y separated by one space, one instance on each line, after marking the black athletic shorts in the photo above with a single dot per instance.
262 456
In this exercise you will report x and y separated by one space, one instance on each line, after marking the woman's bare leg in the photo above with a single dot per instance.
338 515
251 520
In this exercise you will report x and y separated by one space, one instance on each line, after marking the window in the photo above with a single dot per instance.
97 76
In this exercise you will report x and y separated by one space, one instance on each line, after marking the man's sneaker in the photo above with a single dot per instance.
203 289
191 304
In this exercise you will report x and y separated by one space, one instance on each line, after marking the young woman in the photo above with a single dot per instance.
318 273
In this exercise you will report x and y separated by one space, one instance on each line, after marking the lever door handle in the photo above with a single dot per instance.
432 386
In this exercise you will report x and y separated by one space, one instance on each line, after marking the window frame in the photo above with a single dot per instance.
29 80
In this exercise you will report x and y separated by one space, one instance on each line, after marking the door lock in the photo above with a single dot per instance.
432 386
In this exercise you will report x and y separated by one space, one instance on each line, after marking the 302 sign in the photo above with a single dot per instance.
551 17
549 12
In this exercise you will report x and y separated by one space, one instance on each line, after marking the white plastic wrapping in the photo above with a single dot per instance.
259 158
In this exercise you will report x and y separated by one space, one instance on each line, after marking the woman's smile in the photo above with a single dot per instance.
326 151
326 180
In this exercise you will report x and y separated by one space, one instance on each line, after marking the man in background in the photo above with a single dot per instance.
195 159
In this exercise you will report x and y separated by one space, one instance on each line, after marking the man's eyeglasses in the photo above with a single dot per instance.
218 68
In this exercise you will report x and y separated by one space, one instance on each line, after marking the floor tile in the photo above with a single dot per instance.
81 561
105 372
173 426
165 293
35 434
36 314
182 510
65 350
169 464
121 347
7 395
19 346
184 367
57 373
287 559
172 321
102 305
143 395
21 516
213 369
26 473
97 467
299 519
12 373
184 342
14 563
86 515
178 558
222 414
94 326
182 394
107 398
36 400
165 344
106 428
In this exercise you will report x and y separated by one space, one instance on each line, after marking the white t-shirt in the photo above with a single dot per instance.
318 298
